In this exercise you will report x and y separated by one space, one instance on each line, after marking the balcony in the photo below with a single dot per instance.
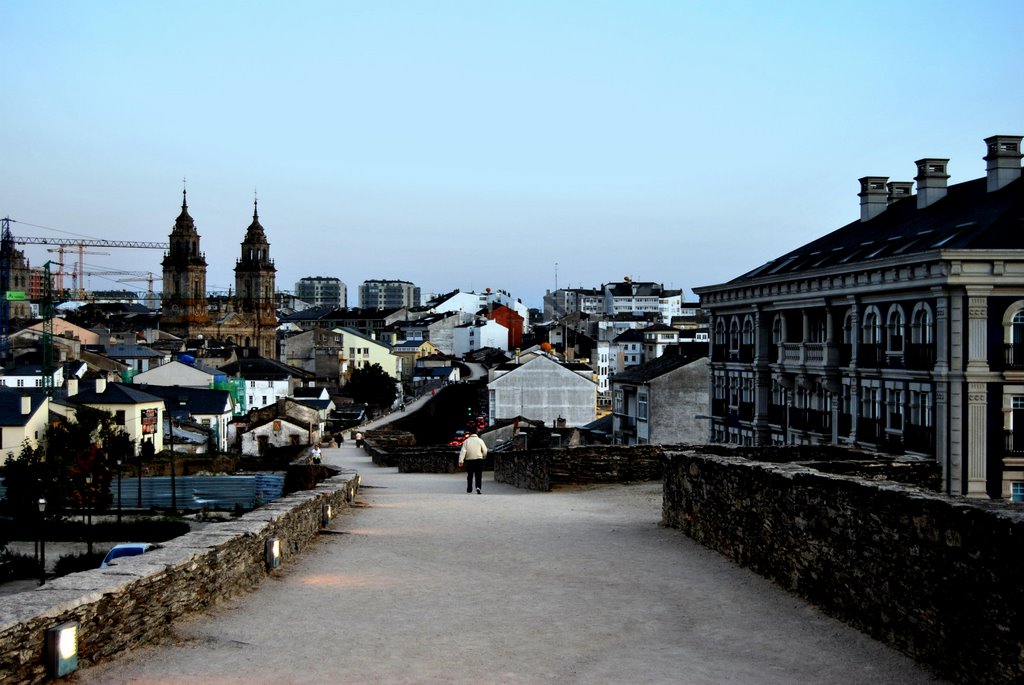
919 357
1014 441
869 430
919 438
777 414
1014 355
804 354
746 412
870 356
718 409
813 420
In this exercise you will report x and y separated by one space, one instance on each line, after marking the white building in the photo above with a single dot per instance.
479 334
543 389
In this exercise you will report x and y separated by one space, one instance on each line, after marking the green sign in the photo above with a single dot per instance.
16 295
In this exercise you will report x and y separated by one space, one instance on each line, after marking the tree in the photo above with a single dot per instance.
74 451
371 385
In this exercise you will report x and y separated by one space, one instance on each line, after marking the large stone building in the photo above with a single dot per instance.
248 319
387 294
901 332
321 291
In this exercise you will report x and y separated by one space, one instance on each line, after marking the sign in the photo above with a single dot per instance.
16 295
150 419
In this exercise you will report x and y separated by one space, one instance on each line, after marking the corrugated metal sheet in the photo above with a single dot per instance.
196 492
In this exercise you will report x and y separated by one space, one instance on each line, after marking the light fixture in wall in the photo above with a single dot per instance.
273 553
326 515
62 649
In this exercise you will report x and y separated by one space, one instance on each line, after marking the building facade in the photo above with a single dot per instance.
902 332
322 291
249 318
386 294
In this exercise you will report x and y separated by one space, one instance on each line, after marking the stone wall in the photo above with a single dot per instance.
941 579
545 468
136 601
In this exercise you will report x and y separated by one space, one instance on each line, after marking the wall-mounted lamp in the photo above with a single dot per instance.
62 649
325 515
273 553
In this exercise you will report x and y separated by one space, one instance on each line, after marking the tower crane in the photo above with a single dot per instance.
7 242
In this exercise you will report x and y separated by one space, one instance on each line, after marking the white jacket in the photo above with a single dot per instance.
473 448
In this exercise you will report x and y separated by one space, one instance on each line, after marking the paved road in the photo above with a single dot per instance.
426 584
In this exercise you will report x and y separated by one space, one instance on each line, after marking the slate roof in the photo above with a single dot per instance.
197 400
129 351
629 335
968 218
648 371
252 368
115 393
10 406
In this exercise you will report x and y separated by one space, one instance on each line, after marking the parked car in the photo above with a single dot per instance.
128 549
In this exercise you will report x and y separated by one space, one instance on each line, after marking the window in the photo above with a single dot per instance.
922 332
872 329
641 406
264 399
1017 491
734 334
21 383
748 331
119 417
894 330
894 403
777 329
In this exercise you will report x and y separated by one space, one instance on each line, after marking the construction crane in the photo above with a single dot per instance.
77 276
7 242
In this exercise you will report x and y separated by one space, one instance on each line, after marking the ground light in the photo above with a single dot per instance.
62 649
272 553
325 515
42 541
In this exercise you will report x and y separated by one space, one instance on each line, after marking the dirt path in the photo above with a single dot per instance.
426 584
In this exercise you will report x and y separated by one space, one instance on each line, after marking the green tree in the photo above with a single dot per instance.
371 385
74 451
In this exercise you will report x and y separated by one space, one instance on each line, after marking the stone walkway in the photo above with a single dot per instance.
426 584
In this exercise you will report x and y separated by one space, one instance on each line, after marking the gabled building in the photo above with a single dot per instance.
542 389
192 374
136 357
360 351
265 380
23 420
139 414
410 352
663 401
478 334
902 331
438 328
211 410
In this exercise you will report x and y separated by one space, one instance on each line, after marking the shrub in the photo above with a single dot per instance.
17 566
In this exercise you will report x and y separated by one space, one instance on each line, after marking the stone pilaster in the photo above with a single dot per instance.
977 401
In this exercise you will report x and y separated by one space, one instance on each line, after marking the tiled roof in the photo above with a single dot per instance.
647 371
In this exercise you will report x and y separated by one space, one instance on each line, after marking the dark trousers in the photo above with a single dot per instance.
474 469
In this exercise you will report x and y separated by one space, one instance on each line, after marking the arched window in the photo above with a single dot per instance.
871 331
734 334
922 330
894 329
748 331
848 332
778 330
1017 328
720 333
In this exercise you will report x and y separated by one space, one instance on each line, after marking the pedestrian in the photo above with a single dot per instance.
359 439
472 455
314 454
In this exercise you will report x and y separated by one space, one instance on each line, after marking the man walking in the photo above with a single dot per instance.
472 455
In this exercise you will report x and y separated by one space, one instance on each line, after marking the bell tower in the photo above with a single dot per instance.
184 269
254 284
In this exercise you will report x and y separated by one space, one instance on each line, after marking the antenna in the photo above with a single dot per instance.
556 275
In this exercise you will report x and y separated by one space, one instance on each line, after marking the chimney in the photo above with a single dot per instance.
101 386
1003 160
931 181
72 387
899 190
872 196
26 405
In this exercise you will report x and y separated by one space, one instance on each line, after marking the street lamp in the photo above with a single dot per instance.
88 509
42 542
174 490
119 491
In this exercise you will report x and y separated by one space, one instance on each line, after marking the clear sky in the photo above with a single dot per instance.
478 144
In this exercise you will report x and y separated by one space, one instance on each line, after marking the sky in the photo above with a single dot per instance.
519 146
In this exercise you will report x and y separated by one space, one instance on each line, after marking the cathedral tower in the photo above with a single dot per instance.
184 294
